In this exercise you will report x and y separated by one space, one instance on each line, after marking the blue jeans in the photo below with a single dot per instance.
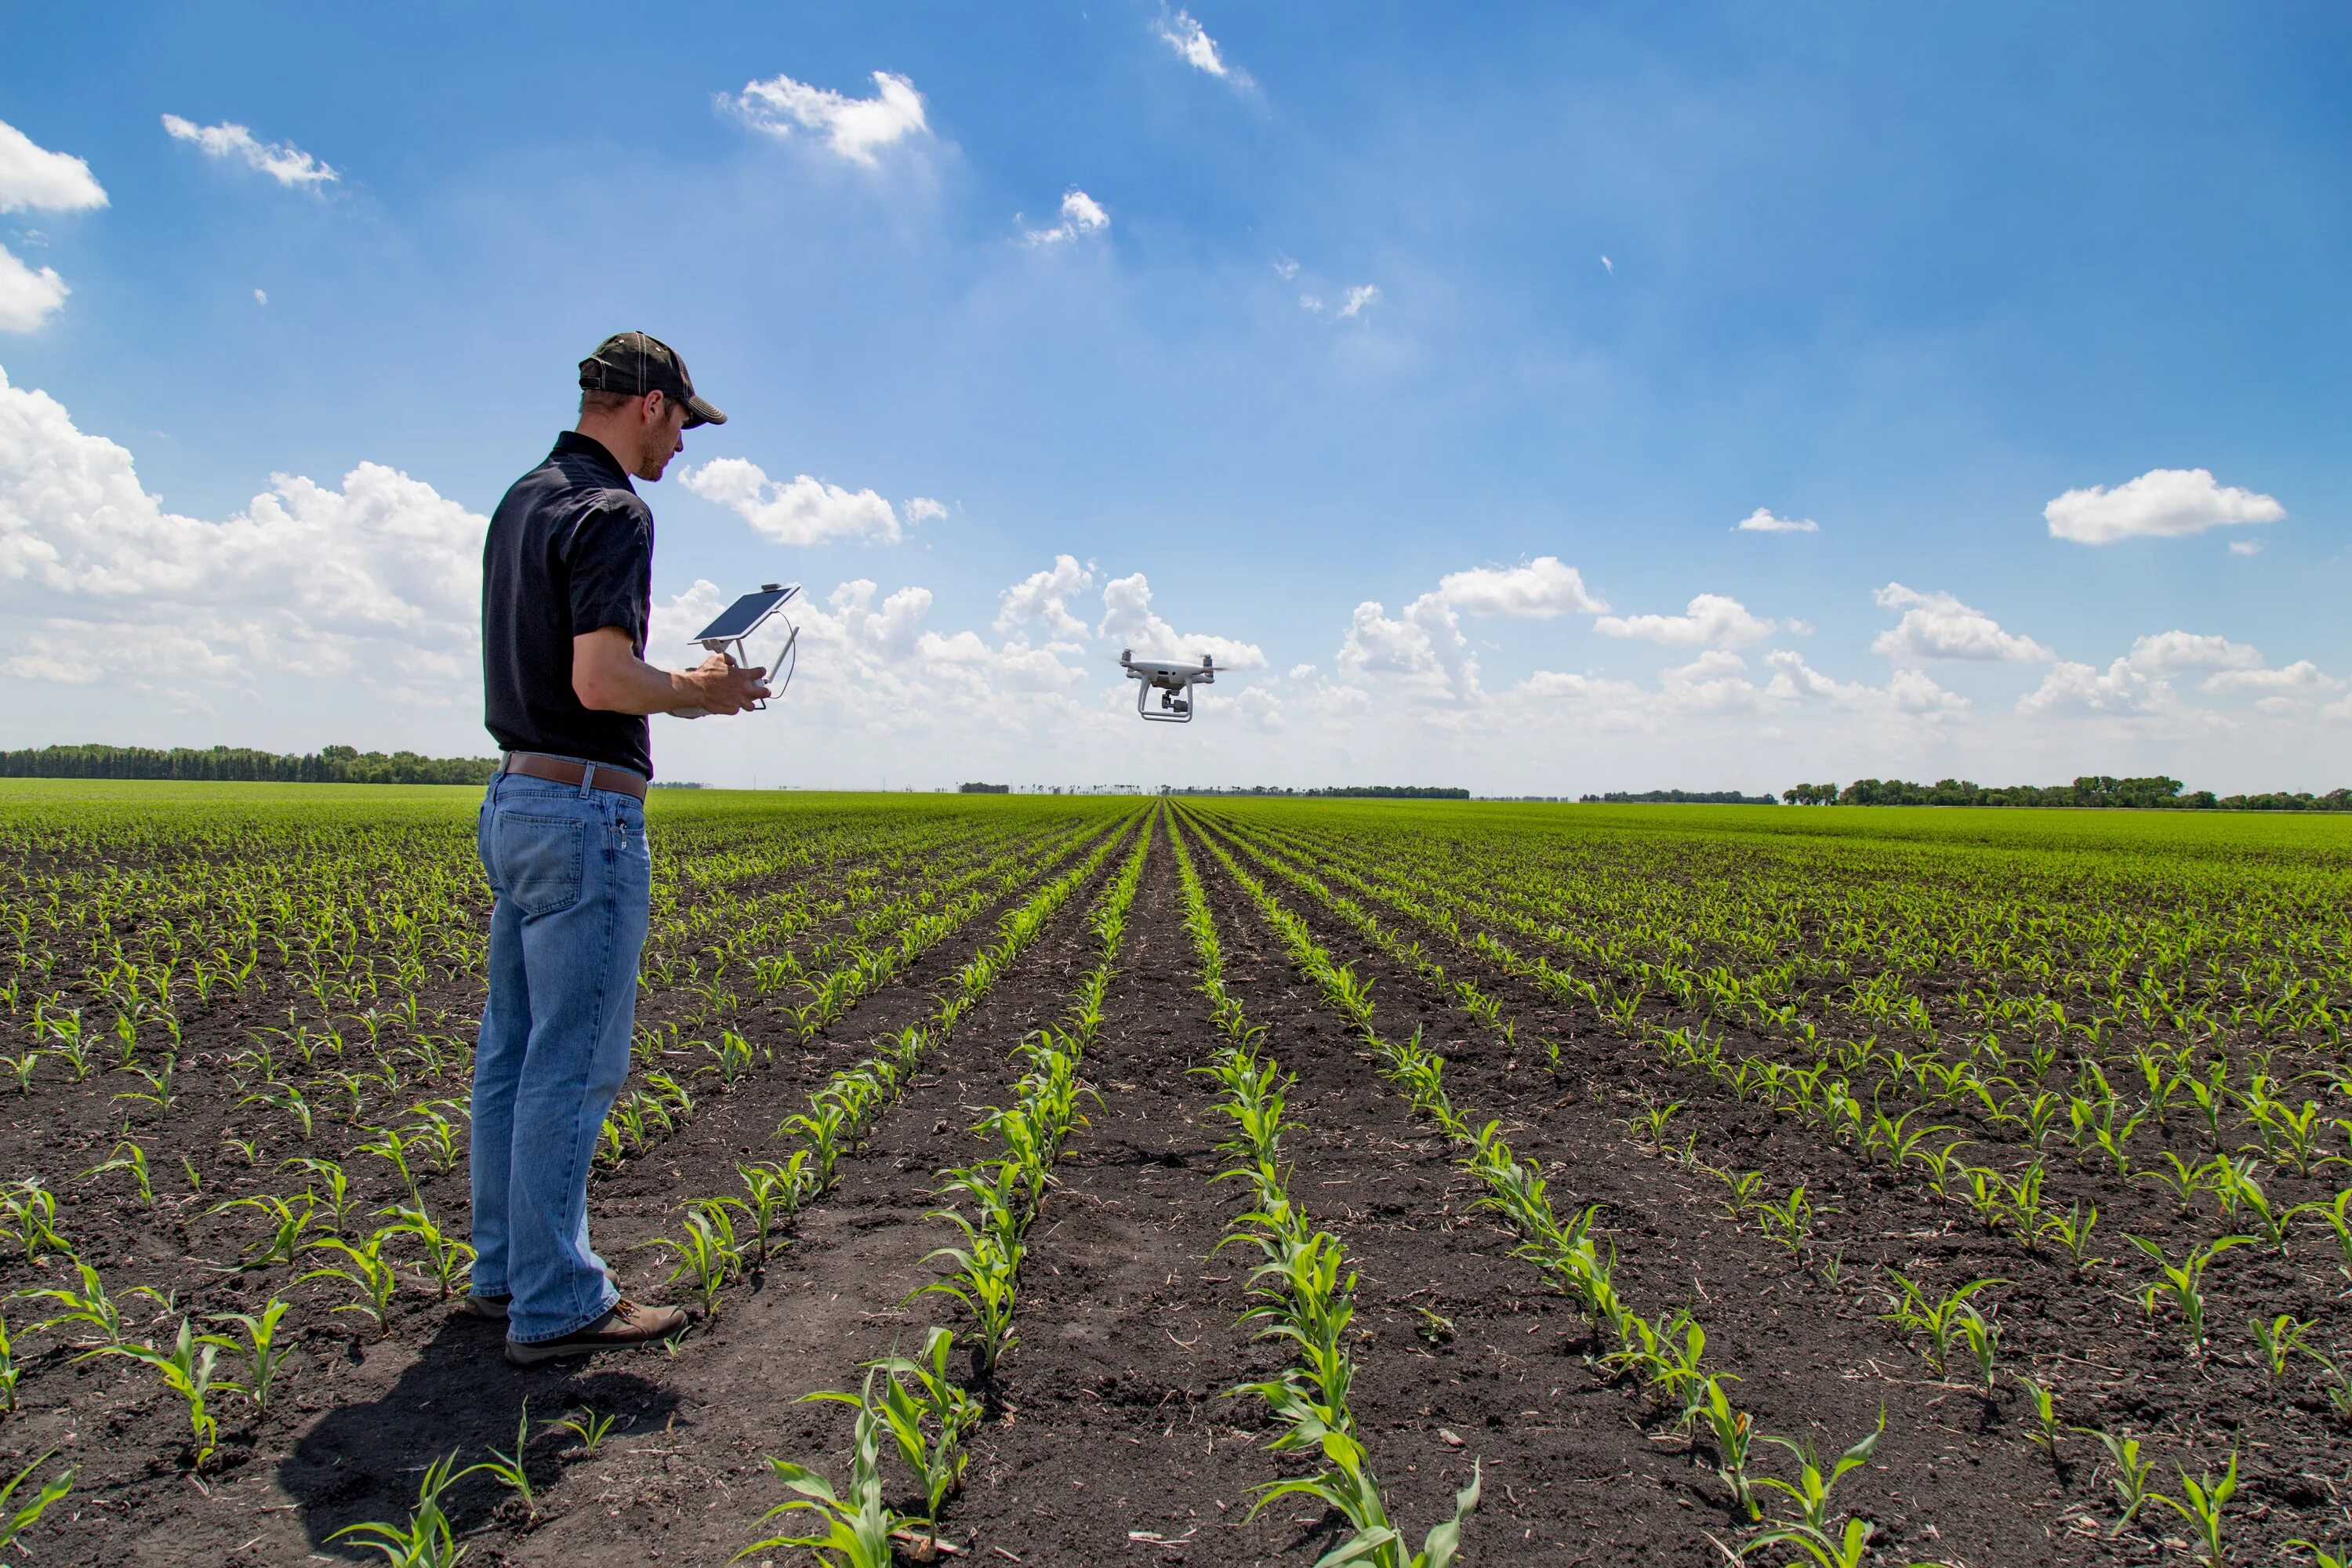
573 882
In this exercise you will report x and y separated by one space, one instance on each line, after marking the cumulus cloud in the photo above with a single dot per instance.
2168 652
1043 598
800 511
1762 520
855 128
1539 590
378 575
28 297
923 508
1129 621
287 165
1711 619
1081 215
1358 297
1192 43
34 179
2299 678
2160 503
1937 625
1907 691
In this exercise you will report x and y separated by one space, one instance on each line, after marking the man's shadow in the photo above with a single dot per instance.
363 1462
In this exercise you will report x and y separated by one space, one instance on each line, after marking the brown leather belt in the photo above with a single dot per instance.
558 770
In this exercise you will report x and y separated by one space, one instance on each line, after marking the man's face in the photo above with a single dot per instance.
664 438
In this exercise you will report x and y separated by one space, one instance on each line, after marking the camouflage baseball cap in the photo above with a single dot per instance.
639 363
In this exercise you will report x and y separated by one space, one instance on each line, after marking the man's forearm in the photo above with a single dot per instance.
637 688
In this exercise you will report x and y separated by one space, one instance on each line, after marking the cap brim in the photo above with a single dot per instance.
698 410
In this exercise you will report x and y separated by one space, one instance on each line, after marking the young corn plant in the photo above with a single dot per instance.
53 1490
447 1259
428 1539
858 1524
1810 1490
1733 1433
929 1416
284 1223
590 1428
1920 1311
365 1270
512 1471
187 1370
2043 1405
2199 1505
89 1305
128 1156
264 1351
2129 1472
705 1251
2183 1284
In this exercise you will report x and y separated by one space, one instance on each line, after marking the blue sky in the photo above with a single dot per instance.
1301 313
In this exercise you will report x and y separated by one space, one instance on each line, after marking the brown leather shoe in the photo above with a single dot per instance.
625 1325
490 1307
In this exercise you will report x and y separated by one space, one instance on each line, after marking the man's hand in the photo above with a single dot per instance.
721 685
608 675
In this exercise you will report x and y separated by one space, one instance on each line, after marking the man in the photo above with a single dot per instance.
567 585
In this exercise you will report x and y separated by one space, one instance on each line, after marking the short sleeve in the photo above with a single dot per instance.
610 560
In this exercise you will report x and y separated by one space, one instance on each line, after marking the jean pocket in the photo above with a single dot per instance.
539 860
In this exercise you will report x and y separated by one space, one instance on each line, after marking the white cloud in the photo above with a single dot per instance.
2160 503
1937 625
28 297
260 297
1044 597
1193 44
2166 652
1359 296
856 129
379 577
1129 621
1906 691
2303 675
1285 267
2245 547
32 178
1762 520
923 508
1713 619
1311 303
286 165
2122 688
1081 214
1609 267
801 511
1539 590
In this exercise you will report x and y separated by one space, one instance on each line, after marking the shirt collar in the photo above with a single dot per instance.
573 441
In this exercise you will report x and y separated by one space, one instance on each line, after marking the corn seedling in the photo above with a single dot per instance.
446 1258
2184 1283
858 1525
1733 1431
929 1416
14 1525
512 1471
126 1156
28 1211
2044 1407
187 1370
2129 1472
89 1305
263 1350
1810 1490
428 1539
284 1223
1845 1550
1938 1317
367 1270
2281 1337
585 1424
705 1251
2201 1503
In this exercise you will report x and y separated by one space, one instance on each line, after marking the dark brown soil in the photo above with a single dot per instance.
1110 1436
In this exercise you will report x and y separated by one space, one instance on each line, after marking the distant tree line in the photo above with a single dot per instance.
983 789
2158 793
1351 792
328 765
1678 797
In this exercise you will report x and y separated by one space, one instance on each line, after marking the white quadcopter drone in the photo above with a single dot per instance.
1174 682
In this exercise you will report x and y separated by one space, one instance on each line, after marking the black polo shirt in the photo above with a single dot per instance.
571 550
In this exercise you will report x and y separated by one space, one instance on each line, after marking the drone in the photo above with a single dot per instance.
1174 682
760 613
